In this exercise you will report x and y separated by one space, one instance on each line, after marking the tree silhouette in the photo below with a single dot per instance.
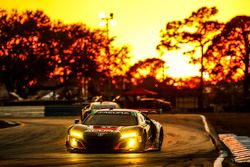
74 52
196 31
228 56
20 47
36 54
118 66
142 69
112 66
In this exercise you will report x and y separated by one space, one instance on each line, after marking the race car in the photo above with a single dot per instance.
97 105
115 130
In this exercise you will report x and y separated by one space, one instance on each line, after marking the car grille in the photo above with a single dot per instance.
101 141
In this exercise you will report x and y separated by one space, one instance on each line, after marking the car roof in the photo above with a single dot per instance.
118 110
104 103
154 99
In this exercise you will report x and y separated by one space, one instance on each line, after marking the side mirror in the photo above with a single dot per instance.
77 121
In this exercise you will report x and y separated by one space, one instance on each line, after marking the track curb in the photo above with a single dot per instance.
225 158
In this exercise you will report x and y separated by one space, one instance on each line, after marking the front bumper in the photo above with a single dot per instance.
103 142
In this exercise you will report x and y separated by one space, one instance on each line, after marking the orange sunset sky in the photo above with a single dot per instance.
138 22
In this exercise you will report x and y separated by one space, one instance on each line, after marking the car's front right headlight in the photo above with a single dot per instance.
76 134
131 139
128 135
75 139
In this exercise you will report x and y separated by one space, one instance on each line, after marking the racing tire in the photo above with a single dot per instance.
143 143
68 147
71 150
160 140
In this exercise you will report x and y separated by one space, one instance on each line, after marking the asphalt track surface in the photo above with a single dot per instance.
41 142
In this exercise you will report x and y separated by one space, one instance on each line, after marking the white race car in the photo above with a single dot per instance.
119 130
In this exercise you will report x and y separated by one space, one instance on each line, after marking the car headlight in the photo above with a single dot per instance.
128 135
132 143
75 139
75 143
76 134
131 139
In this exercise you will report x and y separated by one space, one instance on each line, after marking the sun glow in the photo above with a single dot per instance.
179 66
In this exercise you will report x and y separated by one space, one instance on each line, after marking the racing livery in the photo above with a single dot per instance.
119 130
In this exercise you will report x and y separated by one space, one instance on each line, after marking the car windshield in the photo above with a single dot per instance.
110 118
103 106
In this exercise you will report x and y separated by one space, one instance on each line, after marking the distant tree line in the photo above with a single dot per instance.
37 53
221 49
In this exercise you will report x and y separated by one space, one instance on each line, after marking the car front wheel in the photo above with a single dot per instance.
160 140
143 143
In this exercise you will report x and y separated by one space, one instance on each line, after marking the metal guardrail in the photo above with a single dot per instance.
22 111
